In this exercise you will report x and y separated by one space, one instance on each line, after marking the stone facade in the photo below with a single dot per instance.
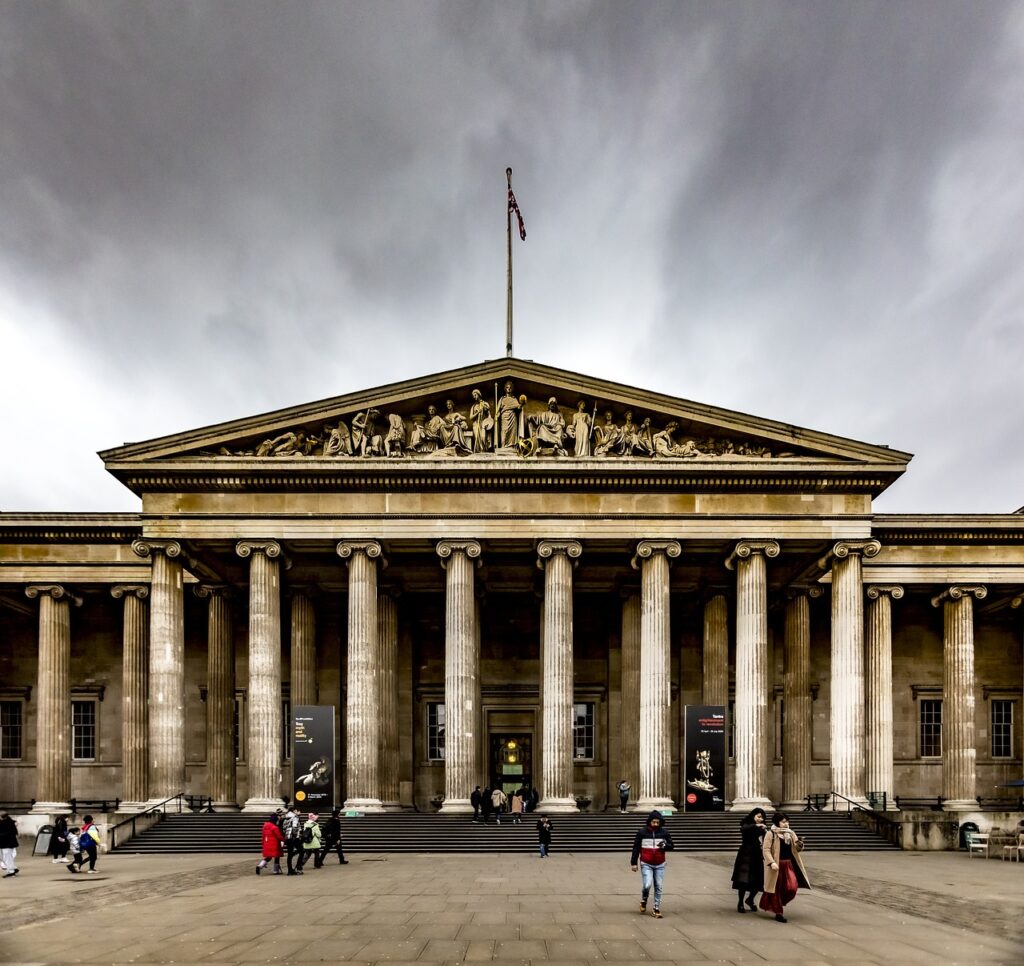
561 599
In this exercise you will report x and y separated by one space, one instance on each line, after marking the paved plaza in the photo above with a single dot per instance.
865 908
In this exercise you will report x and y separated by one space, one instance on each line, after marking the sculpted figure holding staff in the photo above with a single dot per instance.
508 420
482 422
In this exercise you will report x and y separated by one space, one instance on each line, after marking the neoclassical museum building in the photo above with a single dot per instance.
508 573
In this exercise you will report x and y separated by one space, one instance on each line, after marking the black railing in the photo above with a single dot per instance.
881 824
1001 804
159 810
934 804
18 806
199 803
80 805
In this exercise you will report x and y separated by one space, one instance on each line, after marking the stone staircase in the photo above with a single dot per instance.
410 831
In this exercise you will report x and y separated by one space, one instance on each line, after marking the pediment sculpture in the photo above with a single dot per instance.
512 427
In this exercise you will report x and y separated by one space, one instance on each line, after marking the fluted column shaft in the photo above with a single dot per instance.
303 650
265 724
387 627
631 693
878 772
796 696
460 673
655 675
220 698
556 558
134 696
716 651
53 709
750 727
959 751
362 714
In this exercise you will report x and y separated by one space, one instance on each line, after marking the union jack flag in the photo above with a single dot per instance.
514 207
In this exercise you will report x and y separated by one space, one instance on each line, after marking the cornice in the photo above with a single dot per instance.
106 528
909 528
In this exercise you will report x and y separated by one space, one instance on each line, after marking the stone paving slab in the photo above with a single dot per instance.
430 909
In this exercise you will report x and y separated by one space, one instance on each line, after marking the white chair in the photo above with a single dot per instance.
1014 852
977 844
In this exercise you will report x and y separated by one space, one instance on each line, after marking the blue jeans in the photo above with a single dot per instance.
543 849
649 874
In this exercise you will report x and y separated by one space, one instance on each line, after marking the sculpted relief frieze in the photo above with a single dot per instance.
509 426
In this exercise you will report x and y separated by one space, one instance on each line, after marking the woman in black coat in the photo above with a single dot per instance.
58 849
748 870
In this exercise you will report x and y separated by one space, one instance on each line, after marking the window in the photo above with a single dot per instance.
83 730
286 729
435 730
10 730
583 731
931 728
1002 729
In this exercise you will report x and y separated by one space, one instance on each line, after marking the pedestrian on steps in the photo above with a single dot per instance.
784 871
273 845
544 830
485 803
474 800
498 802
517 807
748 869
624 789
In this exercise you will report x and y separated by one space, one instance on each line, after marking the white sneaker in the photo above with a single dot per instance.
93 871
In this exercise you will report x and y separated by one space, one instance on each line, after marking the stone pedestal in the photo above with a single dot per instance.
53 702
556 785
134 696
265 725
799 723
459 557
655 754
847 677
387 629
715 688
630 768
959 752
750 727
878 774
220 697
362 719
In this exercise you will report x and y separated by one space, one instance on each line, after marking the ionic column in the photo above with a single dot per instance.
480 766
53 708
303 649
556 560
166 721
459 557
878 775
846 694
796 696
1016 603
630 768
134 695
959 750
750 727
715 689
387 625
655 755
220 697
265 725
362 719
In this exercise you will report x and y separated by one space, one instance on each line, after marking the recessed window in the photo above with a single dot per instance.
435 730
583 731
83 730
930 716
10 730
1002 729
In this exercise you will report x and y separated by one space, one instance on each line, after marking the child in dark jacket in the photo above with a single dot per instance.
649 847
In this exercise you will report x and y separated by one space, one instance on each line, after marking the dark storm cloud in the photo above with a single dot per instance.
805 210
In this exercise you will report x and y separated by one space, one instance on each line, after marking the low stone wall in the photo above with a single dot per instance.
928 830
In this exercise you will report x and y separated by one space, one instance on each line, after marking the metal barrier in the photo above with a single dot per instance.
156 812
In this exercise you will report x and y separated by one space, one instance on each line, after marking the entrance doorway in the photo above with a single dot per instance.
511 761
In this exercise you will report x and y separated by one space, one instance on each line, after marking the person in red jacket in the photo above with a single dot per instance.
273 845
649 847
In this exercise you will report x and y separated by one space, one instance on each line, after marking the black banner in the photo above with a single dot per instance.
704 784
313 757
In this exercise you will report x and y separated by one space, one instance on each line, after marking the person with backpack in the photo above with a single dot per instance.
498 802
474 800
291 826
544 830
649 847
312 841
8 845
517 808
624 789
273 845
332 840
88 846
485 803
74 846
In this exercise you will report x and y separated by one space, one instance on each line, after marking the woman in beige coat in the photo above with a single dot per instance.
784 870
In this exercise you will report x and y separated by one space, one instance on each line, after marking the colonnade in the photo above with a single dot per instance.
153 678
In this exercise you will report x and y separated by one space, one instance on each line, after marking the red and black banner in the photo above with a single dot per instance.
704 764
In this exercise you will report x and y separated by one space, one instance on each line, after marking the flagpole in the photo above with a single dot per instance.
508 313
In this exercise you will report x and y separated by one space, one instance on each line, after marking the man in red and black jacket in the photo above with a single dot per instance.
649 847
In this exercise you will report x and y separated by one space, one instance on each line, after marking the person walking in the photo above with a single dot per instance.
59 841
544 830
624 789
332 840
498 802
312 841
748 869
649 847
8 845
517 807
88 846
485 803
474 800
273 845
75 846
784 871
292 828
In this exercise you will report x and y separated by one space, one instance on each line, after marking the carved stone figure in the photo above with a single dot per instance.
644 445
456 430
337 440
394 442
482 421
628 436
434 430
664 444
580 430
608 436
418 440
549 428
365 439
509 409
287 444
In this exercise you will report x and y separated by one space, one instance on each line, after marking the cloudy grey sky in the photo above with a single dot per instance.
810 211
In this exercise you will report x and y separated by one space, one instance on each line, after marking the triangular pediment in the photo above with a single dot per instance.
499 411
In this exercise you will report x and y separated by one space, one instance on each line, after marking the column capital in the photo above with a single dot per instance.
129 590
957 591
246 548
372 549
646 549
211 590
56 591
471 548
146 548
874 591
843 548
746 548
546 549
804 590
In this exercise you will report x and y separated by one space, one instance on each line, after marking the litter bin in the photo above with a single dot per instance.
43 838
965 829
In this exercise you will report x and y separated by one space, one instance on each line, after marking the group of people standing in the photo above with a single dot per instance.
769 862
493 801
286 834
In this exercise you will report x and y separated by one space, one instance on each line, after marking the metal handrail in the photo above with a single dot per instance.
895 828
131 820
